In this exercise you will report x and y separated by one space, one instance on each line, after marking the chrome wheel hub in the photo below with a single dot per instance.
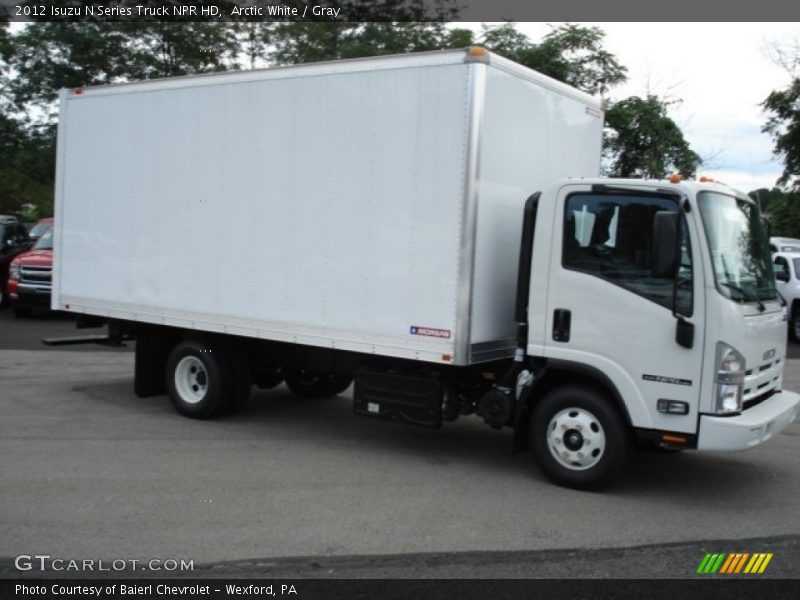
191 379
576 439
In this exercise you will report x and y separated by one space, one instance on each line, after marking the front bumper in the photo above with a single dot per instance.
27 295
751 427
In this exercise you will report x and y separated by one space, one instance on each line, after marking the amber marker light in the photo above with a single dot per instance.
477 51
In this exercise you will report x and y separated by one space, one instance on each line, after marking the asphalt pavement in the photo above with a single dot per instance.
294 488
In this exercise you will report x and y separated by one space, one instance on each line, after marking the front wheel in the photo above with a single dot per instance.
314 384
578 437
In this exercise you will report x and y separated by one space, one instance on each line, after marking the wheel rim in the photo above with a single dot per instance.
576 439
191 379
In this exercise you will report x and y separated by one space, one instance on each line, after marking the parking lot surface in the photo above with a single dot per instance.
305 487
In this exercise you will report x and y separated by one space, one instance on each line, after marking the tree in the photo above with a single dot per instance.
781 208
419 26
570 53
179 48
308 41
51 56
642 141
783 124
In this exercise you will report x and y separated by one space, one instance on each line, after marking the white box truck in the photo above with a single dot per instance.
431 227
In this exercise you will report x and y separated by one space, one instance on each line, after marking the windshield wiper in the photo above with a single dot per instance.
746 295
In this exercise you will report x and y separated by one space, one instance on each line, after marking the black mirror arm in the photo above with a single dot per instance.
684 330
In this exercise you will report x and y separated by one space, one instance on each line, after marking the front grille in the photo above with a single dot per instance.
758 399
761 381
41 276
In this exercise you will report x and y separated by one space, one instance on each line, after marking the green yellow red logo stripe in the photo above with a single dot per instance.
734 562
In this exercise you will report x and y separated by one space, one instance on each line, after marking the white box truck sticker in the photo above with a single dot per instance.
430 332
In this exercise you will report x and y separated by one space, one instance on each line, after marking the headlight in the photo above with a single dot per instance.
13 272
729 379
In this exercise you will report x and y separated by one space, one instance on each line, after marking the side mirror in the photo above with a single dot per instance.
665 244
684 333
782 276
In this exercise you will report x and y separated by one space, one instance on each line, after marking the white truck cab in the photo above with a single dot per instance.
665 292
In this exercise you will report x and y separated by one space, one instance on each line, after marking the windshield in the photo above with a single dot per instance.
38 229
45 242
739 247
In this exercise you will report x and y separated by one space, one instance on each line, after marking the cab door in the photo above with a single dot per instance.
610 312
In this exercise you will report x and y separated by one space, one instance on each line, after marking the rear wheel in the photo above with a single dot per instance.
203 381
578 437
316 384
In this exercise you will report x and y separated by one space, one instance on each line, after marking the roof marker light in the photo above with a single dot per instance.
675 178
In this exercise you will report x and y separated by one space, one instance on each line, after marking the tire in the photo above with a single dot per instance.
578 437
794 324
22 312
200 380
314 384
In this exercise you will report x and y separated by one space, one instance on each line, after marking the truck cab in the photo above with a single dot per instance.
660 296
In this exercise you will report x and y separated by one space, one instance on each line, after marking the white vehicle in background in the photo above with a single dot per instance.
367 221
787 275
783 244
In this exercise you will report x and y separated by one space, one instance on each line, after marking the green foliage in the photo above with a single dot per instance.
51 56
421 27
170 49
782 210
642 141
303 42
26 165
570 53
783 124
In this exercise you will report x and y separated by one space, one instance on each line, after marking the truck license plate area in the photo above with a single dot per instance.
402 398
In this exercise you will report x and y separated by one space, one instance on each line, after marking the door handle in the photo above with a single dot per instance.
562 319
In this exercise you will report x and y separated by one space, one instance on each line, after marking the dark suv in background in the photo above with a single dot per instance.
13 241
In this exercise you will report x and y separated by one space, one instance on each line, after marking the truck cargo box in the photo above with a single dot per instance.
371 205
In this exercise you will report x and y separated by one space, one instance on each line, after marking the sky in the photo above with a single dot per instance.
721 72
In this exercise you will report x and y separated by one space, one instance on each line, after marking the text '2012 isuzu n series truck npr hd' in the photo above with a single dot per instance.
359 221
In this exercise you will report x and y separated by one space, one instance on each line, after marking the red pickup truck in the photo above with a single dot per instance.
30 277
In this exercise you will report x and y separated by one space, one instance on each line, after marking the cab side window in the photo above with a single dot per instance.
611 237
781 267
